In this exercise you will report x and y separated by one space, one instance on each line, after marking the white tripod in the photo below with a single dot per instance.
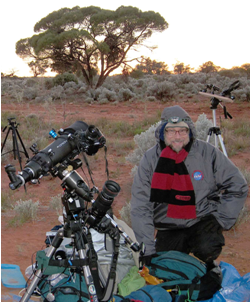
217 133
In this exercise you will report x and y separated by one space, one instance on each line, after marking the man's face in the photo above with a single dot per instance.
176 138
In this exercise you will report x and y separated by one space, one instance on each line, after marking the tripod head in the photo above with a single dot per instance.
225 95
12 123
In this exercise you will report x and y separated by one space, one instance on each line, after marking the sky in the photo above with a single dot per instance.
199 30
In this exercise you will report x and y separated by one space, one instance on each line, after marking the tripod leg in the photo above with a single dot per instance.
39 273
25 151
86 269
222 145
216 141
16 147
5 140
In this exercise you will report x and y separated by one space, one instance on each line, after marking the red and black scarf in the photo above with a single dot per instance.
172 184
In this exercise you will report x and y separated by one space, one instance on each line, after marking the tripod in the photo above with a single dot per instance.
226 96
215 129
78 221
15 135
74 228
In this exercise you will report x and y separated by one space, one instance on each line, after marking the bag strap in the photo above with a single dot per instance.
151 298
192 288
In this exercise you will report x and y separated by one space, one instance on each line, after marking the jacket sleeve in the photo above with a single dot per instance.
141 207
232 187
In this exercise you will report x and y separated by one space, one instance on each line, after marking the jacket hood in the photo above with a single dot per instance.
174 111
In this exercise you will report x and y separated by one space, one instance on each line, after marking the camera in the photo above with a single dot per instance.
56 159
70 142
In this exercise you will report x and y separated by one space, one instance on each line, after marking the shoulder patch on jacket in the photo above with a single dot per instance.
198 175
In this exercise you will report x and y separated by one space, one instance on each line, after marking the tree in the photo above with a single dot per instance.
208 67
236 71
90 38
151 67
181 68
37 67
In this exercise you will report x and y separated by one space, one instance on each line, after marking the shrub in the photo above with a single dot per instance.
242 94
26 211
108 95
70 84
56 204
202 126
125 213
162 90
143 141
151 99
57 92
5 201
48 83
30 93
30 82
125 94
64 78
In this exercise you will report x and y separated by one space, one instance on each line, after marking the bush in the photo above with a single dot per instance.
162 90
144 141
70 84
30 93
57 92
30 82
125 94
107 94
125 214
64 78
202 126
26 211
56 204
48 83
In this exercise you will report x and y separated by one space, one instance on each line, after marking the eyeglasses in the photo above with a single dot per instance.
172 132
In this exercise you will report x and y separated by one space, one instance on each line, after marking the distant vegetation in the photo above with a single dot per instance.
149 81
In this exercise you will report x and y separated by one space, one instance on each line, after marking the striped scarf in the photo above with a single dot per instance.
172 184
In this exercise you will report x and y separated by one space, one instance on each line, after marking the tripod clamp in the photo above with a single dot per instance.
217 99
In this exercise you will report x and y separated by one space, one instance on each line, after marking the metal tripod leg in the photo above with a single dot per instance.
222 145
217 135
86 269
82 256
39 273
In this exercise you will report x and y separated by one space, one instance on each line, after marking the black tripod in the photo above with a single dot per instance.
15 136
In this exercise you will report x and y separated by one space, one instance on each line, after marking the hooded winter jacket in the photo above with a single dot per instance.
220 189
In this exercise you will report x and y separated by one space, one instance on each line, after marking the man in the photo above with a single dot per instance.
187 190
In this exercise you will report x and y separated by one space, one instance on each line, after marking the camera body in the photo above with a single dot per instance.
70 142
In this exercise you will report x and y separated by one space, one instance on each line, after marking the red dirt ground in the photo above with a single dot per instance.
19 244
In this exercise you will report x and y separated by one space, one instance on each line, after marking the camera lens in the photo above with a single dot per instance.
104 200
110 189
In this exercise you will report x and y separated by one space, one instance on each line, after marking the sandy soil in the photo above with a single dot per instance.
19 244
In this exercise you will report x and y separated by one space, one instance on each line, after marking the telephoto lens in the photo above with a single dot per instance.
105 198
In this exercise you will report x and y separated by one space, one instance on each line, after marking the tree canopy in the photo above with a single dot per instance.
181 68
89 39
150 67
208 67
